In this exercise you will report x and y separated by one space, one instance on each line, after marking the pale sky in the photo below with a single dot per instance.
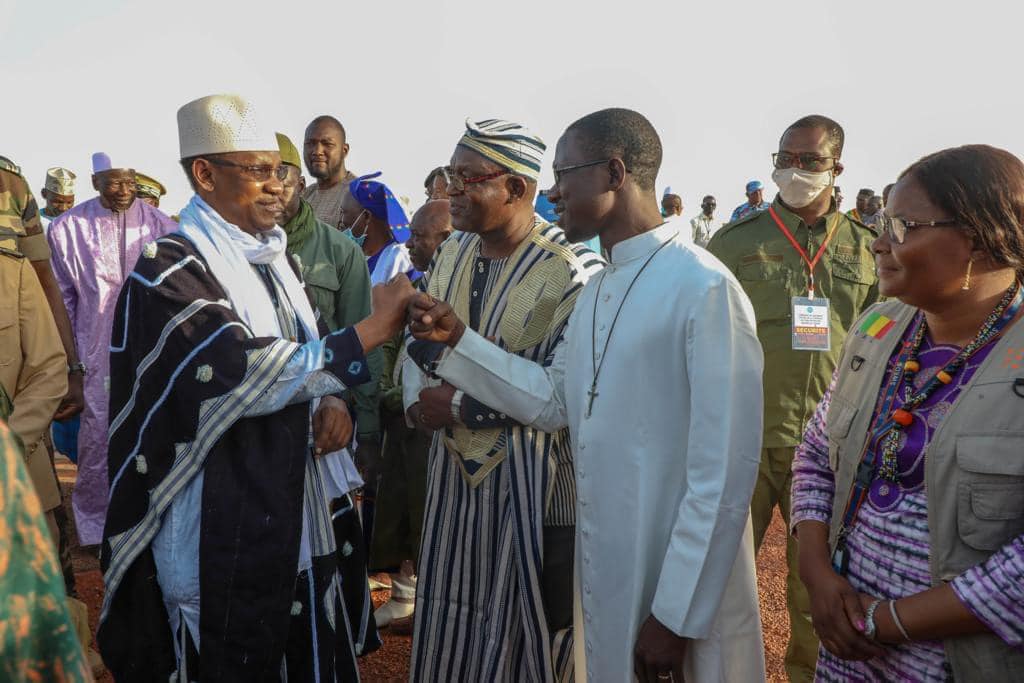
719 79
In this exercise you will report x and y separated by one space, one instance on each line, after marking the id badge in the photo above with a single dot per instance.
811 330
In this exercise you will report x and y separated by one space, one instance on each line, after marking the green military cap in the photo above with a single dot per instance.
289 152
151 187
8 165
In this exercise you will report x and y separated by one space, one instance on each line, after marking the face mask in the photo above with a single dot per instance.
799 188
352 236
358 240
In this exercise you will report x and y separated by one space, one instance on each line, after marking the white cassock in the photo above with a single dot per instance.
666 462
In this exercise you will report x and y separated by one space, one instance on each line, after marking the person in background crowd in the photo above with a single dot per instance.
58 192
376 221
95 246
833 267
149 190
838 193
671 204
226 436
500 494
885 194
755 202
873 213
703 225
325 148
436 185
915 569
403 479
863 196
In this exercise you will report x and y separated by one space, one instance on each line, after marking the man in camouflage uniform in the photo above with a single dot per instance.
771 270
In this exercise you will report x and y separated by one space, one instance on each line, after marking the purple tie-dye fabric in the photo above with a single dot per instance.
94 250
889 543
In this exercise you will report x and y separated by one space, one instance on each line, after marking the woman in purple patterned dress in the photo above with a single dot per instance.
908 488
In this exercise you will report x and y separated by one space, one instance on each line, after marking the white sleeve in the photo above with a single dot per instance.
305 377
414 381
531 394
724 365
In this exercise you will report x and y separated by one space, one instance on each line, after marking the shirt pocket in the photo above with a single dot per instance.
323 284
853 270
990 492
838 421
10 337
852 278
766 278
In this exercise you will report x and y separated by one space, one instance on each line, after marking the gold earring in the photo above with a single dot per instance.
967 278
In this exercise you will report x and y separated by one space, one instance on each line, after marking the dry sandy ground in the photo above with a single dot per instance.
391 662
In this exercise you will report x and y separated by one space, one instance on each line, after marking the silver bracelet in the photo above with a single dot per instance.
896 618
457 405
870 630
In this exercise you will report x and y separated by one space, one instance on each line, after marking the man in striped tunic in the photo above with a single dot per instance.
494 594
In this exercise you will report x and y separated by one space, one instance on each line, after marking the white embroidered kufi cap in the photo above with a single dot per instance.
60 181
219 124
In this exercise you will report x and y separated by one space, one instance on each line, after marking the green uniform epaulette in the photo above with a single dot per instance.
741 221
12 253
870 228
8 165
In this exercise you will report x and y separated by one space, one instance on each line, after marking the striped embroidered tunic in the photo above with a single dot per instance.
495 484
889 544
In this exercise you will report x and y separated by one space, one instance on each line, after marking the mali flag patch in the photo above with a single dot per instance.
876 326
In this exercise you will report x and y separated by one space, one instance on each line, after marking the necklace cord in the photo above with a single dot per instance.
595 365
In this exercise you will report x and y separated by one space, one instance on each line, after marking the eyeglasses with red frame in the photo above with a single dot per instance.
459 182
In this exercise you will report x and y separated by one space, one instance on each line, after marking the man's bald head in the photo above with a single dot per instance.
324 149
430 226
329 122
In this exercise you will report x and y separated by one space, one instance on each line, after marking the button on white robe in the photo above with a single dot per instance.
665 464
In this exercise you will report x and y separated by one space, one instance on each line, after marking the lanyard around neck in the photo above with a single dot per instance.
811 262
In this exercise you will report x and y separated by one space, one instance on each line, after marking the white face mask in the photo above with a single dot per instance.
799 188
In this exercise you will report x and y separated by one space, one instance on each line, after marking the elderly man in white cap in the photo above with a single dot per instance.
494 591
58 192
95 246
226 434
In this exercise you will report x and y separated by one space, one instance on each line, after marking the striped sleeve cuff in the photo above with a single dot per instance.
993 591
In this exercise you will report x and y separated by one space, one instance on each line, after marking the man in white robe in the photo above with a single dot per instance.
667 433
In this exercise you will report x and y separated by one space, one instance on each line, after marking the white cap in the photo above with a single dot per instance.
60 181
100 162
218 124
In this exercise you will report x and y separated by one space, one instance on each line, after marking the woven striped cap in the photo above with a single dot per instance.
507 144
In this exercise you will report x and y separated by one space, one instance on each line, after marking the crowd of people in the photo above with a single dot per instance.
561 420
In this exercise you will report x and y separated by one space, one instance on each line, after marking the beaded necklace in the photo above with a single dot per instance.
903 417
883 478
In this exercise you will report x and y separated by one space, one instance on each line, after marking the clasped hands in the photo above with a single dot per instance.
396 304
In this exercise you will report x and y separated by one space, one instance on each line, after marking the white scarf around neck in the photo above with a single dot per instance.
230 253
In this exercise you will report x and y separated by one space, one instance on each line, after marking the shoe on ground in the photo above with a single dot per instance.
403 626
395 608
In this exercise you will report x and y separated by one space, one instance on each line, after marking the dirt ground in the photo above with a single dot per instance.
391 662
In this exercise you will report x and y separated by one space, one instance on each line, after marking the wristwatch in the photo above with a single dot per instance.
78 368
457 405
